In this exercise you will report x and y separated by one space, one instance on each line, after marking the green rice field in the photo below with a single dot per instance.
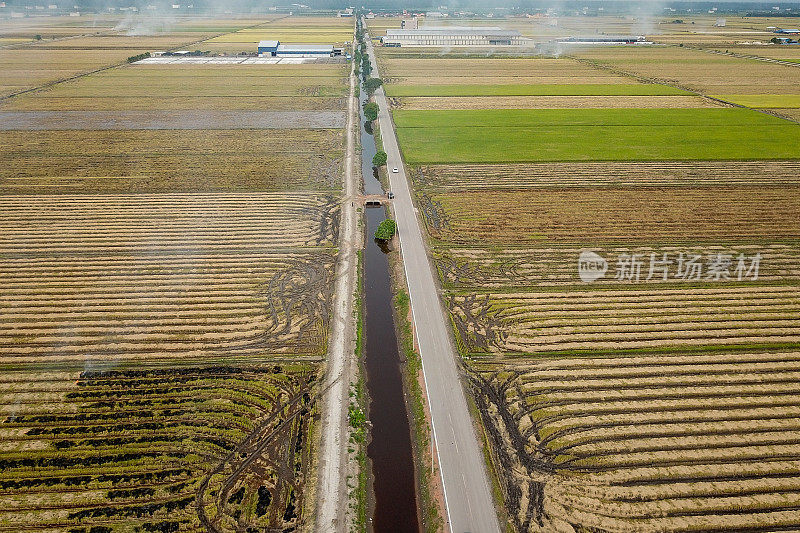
516 135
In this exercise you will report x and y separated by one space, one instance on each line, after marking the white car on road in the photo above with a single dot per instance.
395 170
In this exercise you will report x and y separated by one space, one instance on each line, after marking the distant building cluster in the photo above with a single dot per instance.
453 36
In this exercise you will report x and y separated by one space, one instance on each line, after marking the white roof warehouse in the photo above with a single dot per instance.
454 36
276 49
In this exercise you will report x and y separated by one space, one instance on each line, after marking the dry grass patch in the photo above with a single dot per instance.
47 162
602 215
151 276
610 174
698 70
651 442
28 68
552 102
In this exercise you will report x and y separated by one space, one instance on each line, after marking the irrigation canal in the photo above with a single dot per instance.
389 450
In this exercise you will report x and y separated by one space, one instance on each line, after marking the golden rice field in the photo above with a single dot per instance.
151 276
134 161
598 216
164 293
698 70
677 441
103 447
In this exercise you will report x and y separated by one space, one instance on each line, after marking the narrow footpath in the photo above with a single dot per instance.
332 470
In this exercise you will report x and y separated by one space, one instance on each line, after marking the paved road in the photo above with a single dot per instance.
467 495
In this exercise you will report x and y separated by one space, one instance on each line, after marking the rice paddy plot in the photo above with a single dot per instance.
510 268
618 89
597 216
642 317
655 174
760 101
169 120
122 448
168 275
674 441
82 161
494 136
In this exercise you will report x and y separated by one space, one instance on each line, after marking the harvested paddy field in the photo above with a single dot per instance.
131 161
217 87
697 70
603 215
169 241
552 102
73 46
541 89
153 276
489 69
169 120
657 393
295 30
658 174
206 447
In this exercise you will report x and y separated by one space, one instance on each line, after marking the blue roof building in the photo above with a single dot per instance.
268 47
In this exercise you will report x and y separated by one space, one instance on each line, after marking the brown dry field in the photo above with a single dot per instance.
610 174
488 69
228 81
58 27
519 268
791 114
108 274
121 41
639 316
301 87
28 68
770 50
675 442
41 101
593 77
599 215
552 102
700 71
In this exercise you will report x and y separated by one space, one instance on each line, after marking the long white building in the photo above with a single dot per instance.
454 36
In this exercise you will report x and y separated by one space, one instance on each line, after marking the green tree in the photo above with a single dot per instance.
371 111
372 83
379 159
386 230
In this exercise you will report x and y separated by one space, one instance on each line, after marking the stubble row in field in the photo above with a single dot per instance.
614 215
130 161
679 441
154 449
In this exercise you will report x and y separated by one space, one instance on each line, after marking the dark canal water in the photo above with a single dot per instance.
389 450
